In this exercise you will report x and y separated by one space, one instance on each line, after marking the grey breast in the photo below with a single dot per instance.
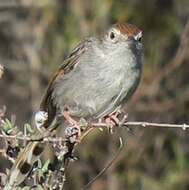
97 85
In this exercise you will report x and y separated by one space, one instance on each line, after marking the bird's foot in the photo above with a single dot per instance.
112 120
115 119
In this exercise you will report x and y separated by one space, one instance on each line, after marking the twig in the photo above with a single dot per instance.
106 167
86 133
99 125
26 138
148 124
145 124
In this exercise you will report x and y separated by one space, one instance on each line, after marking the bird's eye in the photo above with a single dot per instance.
112 35
139 39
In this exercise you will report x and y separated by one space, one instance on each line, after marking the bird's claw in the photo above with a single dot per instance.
113 120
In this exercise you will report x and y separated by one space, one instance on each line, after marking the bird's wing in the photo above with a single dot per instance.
68 64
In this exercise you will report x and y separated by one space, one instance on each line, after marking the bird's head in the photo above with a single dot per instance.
123 35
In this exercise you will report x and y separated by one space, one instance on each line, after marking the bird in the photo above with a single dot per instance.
99 76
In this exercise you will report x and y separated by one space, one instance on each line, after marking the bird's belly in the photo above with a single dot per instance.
87 98
93 100
94 96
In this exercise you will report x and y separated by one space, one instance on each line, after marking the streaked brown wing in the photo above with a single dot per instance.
69 64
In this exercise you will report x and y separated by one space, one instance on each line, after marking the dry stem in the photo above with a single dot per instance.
100 125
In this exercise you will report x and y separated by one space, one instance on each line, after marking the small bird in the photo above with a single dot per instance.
99 76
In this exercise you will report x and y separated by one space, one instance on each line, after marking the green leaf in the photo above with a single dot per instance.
45 166
8 126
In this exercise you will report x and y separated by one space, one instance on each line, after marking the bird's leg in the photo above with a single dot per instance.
112 120
73 133
113 117
69 118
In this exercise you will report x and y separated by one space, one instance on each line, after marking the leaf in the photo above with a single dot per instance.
8 126
45 167
28 128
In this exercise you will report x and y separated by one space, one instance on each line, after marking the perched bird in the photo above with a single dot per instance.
98 76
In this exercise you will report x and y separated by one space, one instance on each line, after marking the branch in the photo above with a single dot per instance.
98 125
26 138
146 124
106 167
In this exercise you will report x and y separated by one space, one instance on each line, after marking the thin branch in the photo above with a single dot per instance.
106 167
26 138
146 124
99 125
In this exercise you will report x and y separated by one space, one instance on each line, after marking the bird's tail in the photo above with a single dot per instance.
27 157
24 164
34 149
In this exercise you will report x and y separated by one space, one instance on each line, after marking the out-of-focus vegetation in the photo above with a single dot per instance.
35 36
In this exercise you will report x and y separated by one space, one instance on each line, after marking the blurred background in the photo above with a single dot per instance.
35 37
